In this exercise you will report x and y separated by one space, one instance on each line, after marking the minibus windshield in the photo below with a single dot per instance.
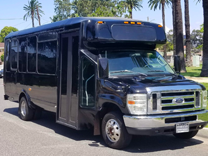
131 62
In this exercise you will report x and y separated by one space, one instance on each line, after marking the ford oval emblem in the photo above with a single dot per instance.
178 100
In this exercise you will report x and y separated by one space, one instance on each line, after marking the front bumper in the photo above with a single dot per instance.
160 124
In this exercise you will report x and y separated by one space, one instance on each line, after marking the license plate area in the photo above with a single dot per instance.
182 127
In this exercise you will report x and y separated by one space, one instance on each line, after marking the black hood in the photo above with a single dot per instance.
136 84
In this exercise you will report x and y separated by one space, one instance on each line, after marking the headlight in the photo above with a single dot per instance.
204 96
137 103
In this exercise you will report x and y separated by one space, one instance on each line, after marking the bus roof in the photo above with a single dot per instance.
61 24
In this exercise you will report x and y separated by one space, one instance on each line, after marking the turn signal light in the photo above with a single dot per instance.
160 26
131 102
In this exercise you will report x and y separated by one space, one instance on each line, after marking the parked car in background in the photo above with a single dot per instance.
1 73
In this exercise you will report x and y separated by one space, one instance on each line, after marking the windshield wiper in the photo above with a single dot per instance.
122 71
129 71
156 71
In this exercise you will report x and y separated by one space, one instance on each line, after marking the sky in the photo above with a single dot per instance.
12 14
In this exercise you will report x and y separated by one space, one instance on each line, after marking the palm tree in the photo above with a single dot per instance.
132 4
39 11
179 33
174 31
204 72
188 34
154 4
33 11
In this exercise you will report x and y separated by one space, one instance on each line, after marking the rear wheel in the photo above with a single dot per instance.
114 131
25 112
187 135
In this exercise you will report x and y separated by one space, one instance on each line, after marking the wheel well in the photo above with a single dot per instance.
108 107
30 104
21 95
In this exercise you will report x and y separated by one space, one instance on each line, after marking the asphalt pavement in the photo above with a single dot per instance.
46 138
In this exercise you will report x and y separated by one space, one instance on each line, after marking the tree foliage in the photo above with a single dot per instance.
157 4
5 31
202 28
90 8
130 5
62 10
197 39
169 44
2 58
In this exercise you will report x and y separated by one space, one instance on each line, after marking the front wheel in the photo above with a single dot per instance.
187 135
114 131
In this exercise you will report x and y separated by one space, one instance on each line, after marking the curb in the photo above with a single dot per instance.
203 133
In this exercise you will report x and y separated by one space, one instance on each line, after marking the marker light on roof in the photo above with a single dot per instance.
139 23
132 22
160 26
126 22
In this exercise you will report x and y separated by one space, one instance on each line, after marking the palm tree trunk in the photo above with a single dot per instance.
38 16
174 31
188 35
33 25
204 72
163 18
131 10
179 34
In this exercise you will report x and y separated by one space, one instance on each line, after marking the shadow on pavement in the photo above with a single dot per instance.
139 144
48 120
146 144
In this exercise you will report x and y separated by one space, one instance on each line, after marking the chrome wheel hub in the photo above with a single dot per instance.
23 108
112 130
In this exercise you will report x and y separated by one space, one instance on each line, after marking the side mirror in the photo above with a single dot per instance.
177 64
103 67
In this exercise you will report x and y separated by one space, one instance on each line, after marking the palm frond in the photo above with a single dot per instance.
31 10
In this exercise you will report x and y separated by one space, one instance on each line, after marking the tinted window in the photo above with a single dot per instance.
47 57
13 54
14 42
47 36
88 83
75 61
132 32
31 49
22 54
7 56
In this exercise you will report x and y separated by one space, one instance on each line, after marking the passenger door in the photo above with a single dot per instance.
88 83
67 112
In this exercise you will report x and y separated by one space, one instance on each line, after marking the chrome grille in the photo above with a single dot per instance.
164 102
168 100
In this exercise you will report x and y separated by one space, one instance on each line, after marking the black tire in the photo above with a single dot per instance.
187 135
25 112
124 139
